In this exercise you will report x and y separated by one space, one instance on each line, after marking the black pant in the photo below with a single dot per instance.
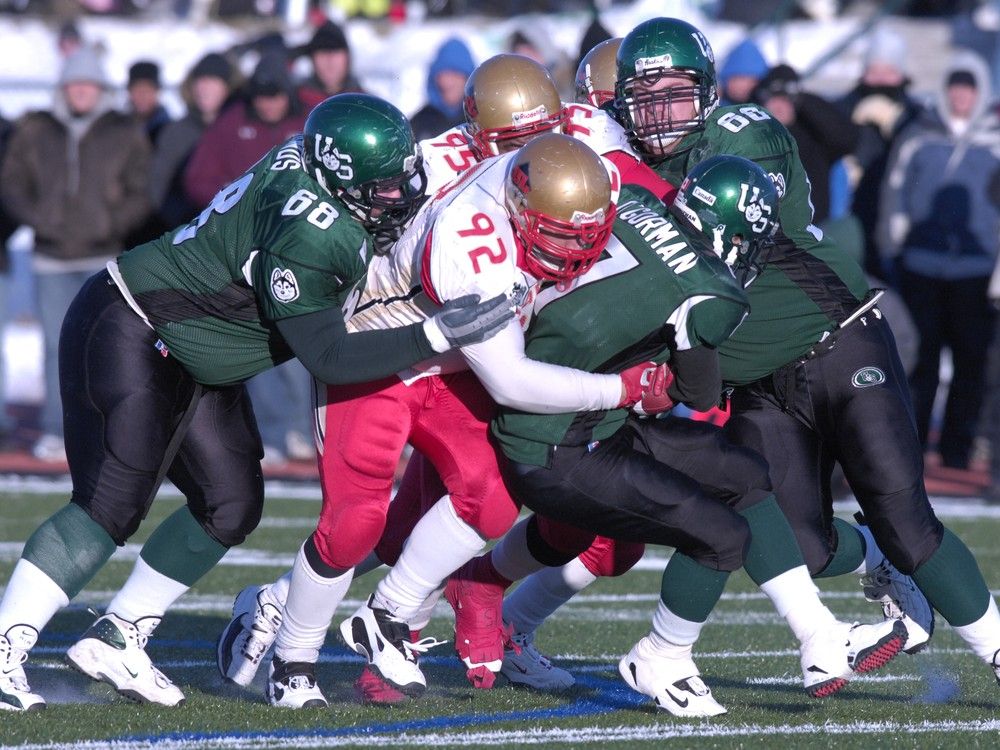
849 404
133 415
671 481
954 314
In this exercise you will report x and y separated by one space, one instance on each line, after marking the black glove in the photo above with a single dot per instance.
466 320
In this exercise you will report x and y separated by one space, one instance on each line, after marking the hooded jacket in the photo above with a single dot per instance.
940 213
81 182
437 116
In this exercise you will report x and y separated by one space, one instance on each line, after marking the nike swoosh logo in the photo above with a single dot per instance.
814 668
520 669
675 699
134 674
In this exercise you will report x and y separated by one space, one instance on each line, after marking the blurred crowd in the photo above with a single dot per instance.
910 187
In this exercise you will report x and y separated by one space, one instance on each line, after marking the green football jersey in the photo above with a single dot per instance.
649 290
808 282
271 245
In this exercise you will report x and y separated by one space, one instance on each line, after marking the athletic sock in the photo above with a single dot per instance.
312 601
146 593
511 557
672 633
279 589
542 593
773 549
952 582
440 544
423 615
689 589
31 598
180 549
795 597
856 551
69 547
983 635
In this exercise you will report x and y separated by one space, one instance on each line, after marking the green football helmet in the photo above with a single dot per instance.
653 49
729 207
361 149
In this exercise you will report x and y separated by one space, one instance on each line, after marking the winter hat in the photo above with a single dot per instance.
961 78
329 36
212 65
745 59
781 79
887 47
452 55
144 70
83 64
270 77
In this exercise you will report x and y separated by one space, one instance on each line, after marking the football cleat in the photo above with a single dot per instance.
901 599
831 656
373 690
525 665
383 639
15 693
995 663
113 651
292 684
673 683
481 636
248 637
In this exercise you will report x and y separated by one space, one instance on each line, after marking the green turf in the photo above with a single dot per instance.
765 702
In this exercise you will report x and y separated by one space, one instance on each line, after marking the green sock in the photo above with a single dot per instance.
773 549
952 582
69 547
848 554
181 549
689 589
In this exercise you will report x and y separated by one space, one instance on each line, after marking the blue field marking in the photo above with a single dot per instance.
607 695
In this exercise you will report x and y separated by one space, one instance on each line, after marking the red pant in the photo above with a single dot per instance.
364 428
601 555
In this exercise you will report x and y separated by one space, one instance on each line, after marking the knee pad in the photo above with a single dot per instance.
346 537
235 511
555 543
490 514
611 557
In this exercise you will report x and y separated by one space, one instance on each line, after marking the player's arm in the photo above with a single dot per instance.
517 381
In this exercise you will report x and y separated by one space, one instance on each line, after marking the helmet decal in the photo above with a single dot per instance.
702 42
642 64
537 114
332 158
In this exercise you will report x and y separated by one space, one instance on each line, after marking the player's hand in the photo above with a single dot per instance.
655 398
466 320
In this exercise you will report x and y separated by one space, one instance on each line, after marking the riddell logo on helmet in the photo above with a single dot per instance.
643 64
529 117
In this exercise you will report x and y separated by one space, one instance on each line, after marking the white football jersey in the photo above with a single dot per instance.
446 157
597 129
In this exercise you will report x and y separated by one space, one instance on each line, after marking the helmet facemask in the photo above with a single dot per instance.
558 250
649 112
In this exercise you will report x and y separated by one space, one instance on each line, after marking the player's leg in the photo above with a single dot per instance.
883 463
364 429
123 402
451 433
217 468
738 477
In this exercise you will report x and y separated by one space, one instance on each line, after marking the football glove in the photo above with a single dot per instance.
465 320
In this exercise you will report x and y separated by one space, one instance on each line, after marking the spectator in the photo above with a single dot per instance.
446 77
7 227
331 66
144 98
531 41
269 115
990 419
940 223
823 133
881 107
78 175
69 39
740 73
594 35
206 90
143 91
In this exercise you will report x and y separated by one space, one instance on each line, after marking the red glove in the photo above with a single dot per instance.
646 387
654 391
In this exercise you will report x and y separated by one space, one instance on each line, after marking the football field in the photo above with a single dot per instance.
942 698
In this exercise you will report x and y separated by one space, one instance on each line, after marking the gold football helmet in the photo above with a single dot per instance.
598 71
559 195
508 99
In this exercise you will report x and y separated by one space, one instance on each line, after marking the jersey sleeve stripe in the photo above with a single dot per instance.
425 271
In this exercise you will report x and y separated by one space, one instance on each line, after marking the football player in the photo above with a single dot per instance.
541 214
814 370
152 364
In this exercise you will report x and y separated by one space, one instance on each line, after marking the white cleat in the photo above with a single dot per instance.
248 637
530 668
113 651
831 656
292 684
384 640
674 684
901 599
15 693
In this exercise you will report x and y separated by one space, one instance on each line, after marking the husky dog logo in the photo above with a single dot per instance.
334 160
284 286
